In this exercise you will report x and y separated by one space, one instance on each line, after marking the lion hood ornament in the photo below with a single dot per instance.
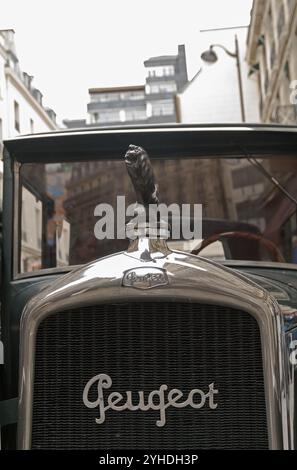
148 240
142 175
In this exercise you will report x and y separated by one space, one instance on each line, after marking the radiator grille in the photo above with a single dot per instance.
141 346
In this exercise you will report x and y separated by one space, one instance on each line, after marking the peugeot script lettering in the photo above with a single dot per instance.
145 278
156 400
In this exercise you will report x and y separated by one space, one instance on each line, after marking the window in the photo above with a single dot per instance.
206 180
287 71
122 115
109 116
169 70
281 20
266 81
291 5
166 87
136 95
272 54
154 89
24 236
31 126
105 97
155 71
38 226
247 176
16 116
264 65
163 108
160 71
136 114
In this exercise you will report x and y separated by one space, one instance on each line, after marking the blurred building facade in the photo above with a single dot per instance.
22 112
153 102
272 57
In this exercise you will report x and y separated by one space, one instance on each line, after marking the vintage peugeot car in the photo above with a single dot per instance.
158 341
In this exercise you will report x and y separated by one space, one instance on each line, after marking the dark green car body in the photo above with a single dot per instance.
280 279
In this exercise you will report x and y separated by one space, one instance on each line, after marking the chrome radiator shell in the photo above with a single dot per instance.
190 278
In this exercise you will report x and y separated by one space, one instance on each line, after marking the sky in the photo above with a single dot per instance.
70 46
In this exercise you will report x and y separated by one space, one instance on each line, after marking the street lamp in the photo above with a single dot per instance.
211 57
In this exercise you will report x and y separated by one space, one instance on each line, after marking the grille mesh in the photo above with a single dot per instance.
141 346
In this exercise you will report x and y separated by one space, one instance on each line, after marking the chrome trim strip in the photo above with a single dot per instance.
46 272
291 352
258 264
16 218
160 128
190 279
230 264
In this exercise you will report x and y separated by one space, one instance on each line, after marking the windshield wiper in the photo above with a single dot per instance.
268 176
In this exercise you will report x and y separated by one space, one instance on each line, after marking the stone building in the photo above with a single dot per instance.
21 103
272 58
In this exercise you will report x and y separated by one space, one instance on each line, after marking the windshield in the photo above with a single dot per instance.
248 210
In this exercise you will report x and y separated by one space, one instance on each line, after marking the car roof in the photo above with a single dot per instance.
161 141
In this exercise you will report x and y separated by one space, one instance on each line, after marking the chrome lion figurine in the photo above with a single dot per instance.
141 173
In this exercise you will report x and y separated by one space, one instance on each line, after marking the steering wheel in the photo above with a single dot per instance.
268 244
